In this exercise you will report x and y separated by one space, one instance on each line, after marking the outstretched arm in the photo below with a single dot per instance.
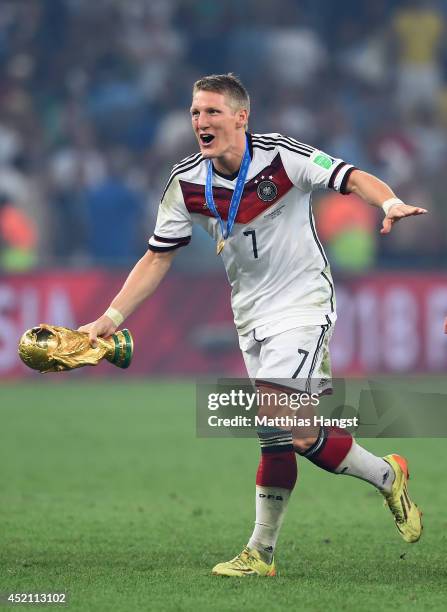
377 193
141 283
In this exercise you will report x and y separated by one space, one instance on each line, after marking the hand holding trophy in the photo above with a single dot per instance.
50 348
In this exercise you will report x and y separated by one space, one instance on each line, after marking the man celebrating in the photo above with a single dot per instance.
252 194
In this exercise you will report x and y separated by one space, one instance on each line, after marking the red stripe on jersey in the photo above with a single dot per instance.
251 204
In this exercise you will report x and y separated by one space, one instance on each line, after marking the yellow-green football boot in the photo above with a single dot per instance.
247 563
407 515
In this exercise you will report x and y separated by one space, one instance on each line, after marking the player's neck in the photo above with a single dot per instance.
230 162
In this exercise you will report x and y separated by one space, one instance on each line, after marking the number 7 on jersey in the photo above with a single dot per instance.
252 233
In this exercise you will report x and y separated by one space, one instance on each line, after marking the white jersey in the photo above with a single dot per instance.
277 268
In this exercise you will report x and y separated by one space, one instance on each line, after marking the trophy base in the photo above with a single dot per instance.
122 356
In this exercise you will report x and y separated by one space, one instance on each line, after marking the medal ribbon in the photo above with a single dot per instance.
236 197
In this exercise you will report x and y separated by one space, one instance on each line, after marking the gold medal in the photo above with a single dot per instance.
220 246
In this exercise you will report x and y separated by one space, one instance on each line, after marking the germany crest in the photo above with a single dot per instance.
267 191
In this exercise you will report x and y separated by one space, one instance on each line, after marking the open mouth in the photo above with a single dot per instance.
206 138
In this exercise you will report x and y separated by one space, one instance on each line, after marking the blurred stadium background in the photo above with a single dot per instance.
94 103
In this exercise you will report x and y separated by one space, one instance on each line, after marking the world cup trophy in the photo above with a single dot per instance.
50 348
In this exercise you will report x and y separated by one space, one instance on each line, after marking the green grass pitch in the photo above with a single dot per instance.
106 493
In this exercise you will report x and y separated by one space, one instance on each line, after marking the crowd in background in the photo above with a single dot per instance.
94 111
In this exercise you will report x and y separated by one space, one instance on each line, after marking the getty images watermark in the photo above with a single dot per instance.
380 407
270 401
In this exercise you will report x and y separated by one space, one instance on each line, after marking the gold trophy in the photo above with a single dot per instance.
49 348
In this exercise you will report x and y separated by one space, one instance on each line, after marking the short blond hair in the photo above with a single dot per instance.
227 84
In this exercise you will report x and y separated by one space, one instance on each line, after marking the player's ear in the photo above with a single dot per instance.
242 118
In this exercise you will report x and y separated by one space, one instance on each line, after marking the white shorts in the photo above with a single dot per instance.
297 358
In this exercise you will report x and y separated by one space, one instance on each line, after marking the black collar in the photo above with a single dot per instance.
232 177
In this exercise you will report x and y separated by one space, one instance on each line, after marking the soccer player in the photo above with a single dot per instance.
252 194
